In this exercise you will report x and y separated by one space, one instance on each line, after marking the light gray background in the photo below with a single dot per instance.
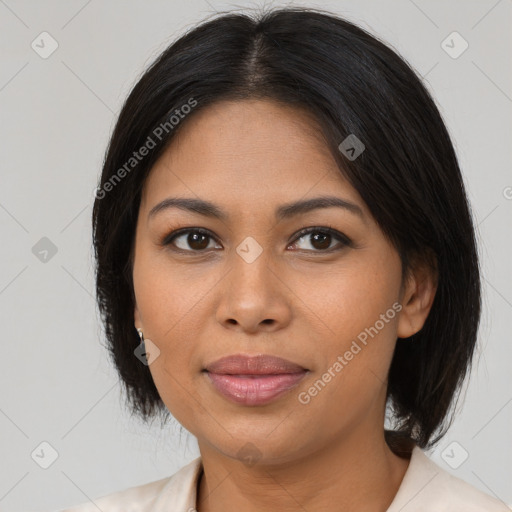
56 116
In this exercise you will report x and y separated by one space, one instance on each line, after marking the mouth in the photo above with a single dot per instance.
253 380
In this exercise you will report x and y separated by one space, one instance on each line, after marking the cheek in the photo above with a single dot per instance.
358 309
168 308
169 297
172 302
348 299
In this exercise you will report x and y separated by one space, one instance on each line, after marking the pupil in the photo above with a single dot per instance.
193 241
325 241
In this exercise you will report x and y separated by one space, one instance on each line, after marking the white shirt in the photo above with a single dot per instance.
426 487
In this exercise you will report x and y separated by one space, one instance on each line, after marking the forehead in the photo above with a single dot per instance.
253 151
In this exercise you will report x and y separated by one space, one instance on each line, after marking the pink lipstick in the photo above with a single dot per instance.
254 380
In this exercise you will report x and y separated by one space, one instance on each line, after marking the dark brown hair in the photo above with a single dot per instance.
408 176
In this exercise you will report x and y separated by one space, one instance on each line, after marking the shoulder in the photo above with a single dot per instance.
177 490
427 487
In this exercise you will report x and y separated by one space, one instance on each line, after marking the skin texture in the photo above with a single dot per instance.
296 301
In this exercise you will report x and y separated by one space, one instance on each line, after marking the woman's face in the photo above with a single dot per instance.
254 286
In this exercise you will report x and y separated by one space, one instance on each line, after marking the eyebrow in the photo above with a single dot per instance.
284 211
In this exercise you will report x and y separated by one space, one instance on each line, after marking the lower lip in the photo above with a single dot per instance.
254 389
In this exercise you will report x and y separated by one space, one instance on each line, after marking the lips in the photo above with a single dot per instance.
254 380
253 365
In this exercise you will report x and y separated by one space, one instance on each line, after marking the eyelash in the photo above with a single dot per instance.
343 239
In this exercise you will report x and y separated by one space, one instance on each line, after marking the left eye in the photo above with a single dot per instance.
321 238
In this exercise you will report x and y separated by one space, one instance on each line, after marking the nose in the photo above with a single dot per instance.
253 297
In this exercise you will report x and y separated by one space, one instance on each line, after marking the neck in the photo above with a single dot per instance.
357 474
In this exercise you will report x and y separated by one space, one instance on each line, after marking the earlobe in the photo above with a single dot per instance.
417 302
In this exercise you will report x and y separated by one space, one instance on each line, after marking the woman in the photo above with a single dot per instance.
285 253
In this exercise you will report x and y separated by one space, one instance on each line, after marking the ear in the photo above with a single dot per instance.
418 295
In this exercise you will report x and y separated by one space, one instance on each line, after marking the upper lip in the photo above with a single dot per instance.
261 364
